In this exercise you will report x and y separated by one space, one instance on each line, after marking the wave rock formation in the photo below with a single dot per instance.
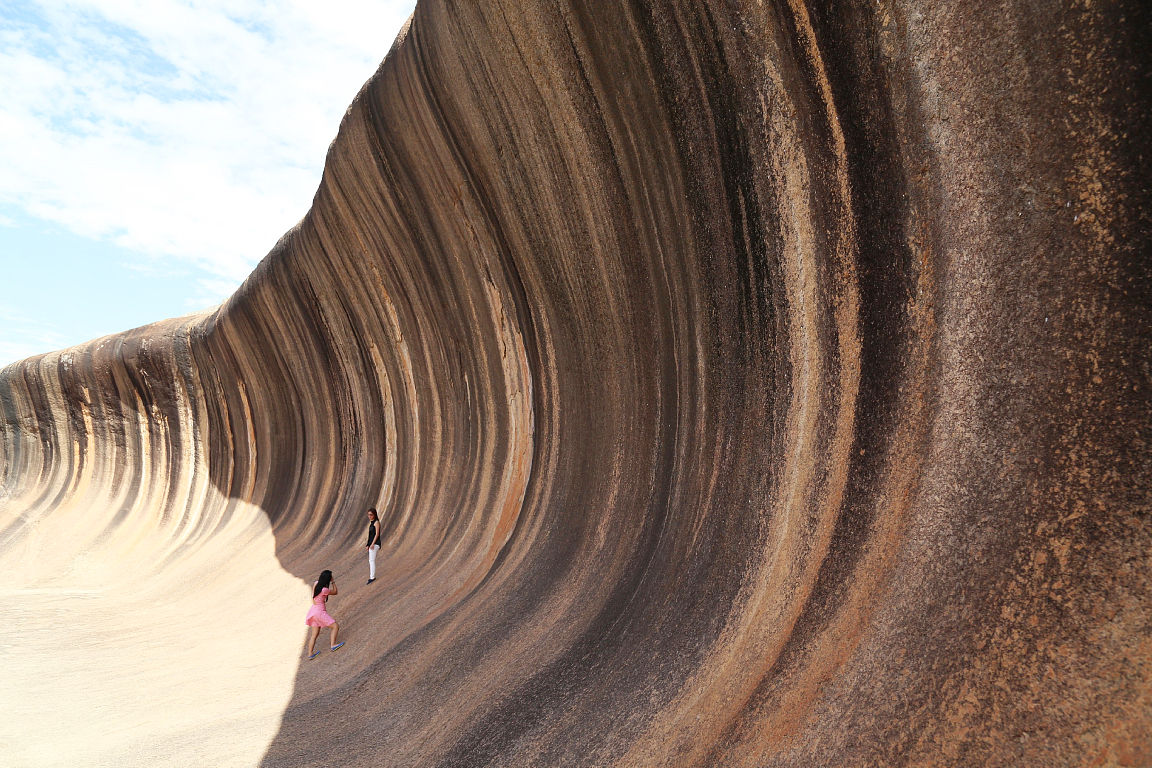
741 384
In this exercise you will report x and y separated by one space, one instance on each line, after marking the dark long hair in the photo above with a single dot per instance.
322 582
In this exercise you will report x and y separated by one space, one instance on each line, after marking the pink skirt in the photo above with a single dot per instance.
318 617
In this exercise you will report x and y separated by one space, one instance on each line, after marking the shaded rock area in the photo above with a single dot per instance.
740 383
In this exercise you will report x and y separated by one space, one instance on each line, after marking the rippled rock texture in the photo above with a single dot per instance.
741 384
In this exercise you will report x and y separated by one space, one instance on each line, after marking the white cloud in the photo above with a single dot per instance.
187 130
32 337
209 292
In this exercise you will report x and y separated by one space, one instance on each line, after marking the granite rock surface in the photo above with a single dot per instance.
740 383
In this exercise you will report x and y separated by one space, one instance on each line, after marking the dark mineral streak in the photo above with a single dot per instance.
741 384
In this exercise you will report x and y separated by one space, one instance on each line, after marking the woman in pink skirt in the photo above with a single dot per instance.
318 614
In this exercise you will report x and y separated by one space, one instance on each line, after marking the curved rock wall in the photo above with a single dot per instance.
740 384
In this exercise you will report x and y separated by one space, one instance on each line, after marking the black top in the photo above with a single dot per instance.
372 532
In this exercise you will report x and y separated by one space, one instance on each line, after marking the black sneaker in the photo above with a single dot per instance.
371 580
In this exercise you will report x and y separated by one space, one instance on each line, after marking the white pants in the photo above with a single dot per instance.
372 550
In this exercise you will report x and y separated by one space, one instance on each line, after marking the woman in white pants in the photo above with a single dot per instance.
373 545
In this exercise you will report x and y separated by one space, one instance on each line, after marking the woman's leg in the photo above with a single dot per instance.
372 561
335 631
312 640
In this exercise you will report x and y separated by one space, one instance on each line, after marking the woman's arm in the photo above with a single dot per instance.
332 588
376 541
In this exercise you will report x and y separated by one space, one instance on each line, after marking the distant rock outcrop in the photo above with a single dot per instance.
741 384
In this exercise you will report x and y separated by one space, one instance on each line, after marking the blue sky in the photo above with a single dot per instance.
152 151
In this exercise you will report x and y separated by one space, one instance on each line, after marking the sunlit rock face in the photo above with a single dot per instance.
756 384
